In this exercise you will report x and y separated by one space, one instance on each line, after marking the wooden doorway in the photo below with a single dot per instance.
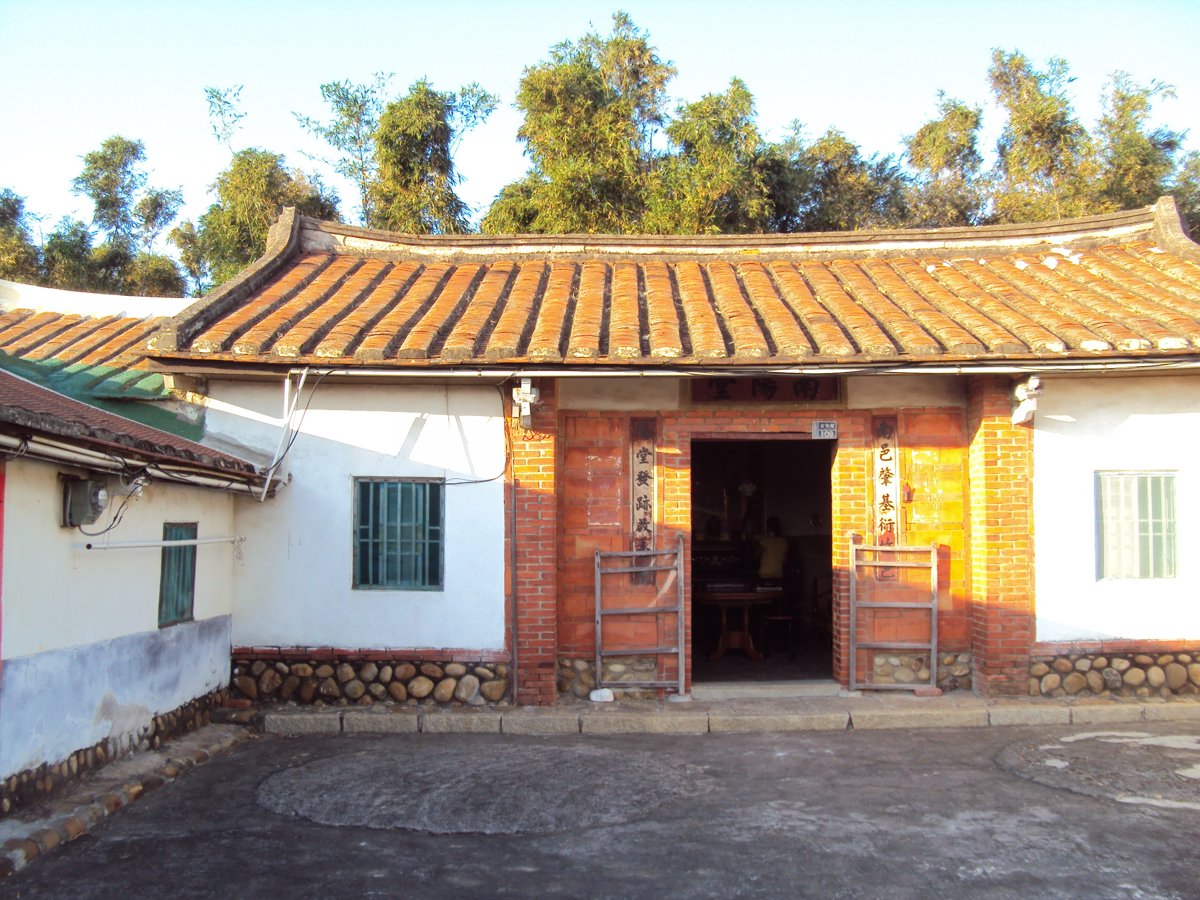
753 621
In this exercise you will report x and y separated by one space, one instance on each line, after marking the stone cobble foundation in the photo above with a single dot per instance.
1115 674
30 786
341 682
577 677
953 670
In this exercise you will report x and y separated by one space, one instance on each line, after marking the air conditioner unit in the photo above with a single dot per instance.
84 499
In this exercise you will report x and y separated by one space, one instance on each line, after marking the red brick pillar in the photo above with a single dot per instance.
534 468
1000 537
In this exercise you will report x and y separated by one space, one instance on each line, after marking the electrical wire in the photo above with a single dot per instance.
19 452
455 482
274 467
449 482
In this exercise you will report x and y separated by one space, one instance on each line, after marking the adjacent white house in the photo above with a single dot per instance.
116 593
1117 508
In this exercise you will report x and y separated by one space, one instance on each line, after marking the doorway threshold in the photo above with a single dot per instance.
740 690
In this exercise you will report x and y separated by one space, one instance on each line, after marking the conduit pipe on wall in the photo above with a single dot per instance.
136 545
512 550
1043 366
289 410
52 451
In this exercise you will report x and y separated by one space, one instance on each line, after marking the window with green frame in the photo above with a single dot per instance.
1135 524
398 534
177 582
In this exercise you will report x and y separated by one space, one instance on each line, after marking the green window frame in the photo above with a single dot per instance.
1135 525
177 581
399 541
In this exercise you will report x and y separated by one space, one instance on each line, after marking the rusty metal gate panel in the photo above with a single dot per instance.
667 610
893 617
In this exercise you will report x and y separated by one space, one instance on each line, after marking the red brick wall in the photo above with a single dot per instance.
535 462
1000 537
933 465
967 471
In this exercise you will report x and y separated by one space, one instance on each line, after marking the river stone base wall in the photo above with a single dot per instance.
577 677
32 785
344 682
953 670
1116 674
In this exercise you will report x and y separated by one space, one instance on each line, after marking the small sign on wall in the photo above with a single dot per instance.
825 430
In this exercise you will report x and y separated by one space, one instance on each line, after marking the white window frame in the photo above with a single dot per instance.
1136 525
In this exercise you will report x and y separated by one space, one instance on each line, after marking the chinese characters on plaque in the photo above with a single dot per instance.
642 474
886 475
781 389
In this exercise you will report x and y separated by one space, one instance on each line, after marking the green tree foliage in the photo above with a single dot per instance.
1136 163
947 187
1045 157
250 195
845 190
716 180
789 181
415 143
1186 188
193 259
153 275
130 215
591 112
126 210
68 260
224 112
350 131
20 257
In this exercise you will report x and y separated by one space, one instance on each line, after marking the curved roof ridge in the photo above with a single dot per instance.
335 237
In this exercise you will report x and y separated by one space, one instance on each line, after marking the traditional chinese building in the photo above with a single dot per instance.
974 443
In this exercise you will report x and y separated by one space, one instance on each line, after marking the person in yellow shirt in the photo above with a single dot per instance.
772 552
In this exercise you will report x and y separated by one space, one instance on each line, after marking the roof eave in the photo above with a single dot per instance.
282 241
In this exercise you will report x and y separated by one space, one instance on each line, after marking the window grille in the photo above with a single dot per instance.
398 534
1136 524
177 582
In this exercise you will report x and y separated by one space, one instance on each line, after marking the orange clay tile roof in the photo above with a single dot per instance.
1125 285
101 356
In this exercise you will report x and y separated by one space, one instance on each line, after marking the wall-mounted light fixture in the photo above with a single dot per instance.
1025 398
525 397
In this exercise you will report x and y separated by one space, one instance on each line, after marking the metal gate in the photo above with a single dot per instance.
668 604
893 617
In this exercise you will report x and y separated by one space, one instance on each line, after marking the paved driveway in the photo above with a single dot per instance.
1012 812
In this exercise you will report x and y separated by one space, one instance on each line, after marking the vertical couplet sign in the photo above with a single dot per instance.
886 480
642 451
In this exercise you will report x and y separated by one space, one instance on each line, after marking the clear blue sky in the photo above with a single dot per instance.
78 71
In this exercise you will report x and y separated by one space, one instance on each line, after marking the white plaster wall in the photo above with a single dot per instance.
904 391
1085 425
83 656
60 701
293 584
58 595
650 392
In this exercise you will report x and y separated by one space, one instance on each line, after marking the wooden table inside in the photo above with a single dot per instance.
735 638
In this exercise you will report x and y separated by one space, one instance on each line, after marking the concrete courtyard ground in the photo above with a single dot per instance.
1085 810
